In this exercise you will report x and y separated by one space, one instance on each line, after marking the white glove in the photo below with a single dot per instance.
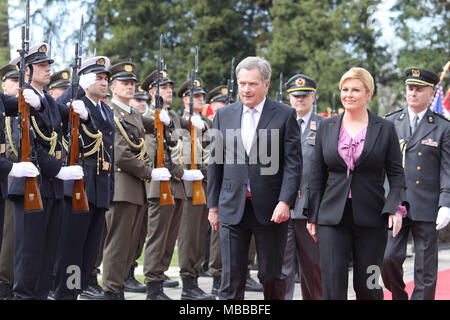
443 218
32 98
161 174
192 175
70 173
164 117
79 107
86 80
24 169
198 122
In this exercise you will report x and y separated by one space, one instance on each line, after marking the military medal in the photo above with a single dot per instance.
105 166
313 125
58 155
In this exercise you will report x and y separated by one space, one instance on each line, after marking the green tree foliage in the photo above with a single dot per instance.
4 34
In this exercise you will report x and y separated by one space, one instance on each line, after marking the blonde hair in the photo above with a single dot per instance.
361 74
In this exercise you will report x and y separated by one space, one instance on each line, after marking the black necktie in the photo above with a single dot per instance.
300 122
99 107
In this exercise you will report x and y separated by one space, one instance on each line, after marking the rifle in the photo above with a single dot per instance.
279 94
32 195
198 195
165 195
79 198
230 84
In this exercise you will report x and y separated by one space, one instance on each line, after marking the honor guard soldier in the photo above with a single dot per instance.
59 82
140 99
194 220
425 143
9 76
132 168
163 220
81 232
301 90
37 233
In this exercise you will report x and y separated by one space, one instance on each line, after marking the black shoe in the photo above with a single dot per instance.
132 285
114 296
191 291
252 285
216 285
6 292
51 295
155 291
169 283
206 274
93 291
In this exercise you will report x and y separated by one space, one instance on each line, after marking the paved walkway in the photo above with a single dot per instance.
206 283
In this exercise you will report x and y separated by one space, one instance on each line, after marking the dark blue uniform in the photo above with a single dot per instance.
36 233
81 232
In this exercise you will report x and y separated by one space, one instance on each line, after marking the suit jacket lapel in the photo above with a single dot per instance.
335 129
373 130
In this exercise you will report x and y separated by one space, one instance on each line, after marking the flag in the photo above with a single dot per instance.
437 102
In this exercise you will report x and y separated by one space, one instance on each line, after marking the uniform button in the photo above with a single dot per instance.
419 154
110 147
110 133
418 168
417 181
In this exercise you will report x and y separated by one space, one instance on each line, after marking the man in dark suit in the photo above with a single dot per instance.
425 142
254 174
82 231
301 90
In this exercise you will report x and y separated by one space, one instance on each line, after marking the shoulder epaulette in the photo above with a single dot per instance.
441 115
393 112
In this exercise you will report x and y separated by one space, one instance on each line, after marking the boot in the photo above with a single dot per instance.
114 296
132 285
155 291
169 283
216 285
191 291
93 290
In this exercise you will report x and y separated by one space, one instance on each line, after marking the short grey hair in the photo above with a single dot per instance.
259 63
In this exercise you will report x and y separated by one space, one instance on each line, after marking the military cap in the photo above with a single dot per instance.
139 93
98 64
9 71
184 89
421 77
300 84
59 79
219 93
123 71
150 80
36 54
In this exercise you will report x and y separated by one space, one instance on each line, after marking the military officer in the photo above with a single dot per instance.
36 233
59 82
132 168
140 99
425 143
81 231
301 90
194 220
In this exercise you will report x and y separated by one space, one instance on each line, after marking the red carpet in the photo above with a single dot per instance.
442 287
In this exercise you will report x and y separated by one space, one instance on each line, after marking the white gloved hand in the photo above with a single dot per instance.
164 117
198 122
80 108
24 169
86 80
443 218
161 174
32 98
70 173
192 175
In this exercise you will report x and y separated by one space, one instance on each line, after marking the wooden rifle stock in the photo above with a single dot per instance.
32 195
198 194
79 197
165 195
